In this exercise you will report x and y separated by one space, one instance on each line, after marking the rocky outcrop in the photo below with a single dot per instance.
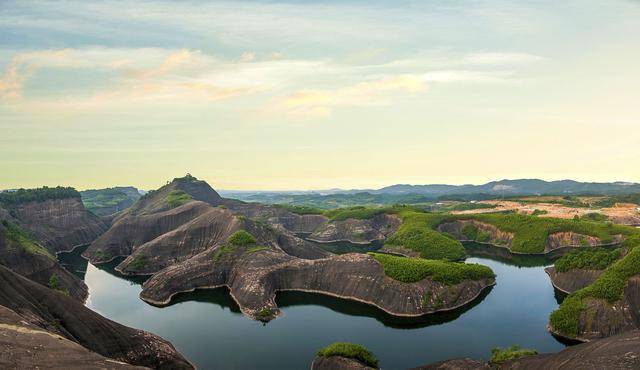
357 230
277 216
26 346
572 280
26 257
617 352
473 230
570 239
212 226
254 279
58 224
58 314
338 363
602 319
130 231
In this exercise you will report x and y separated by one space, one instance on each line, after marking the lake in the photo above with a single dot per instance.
207 326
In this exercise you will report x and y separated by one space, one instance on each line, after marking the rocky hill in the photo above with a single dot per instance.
109 201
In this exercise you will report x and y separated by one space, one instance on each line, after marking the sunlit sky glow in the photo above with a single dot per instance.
316 95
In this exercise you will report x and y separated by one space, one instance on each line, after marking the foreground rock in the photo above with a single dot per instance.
618 352
60 315
26 346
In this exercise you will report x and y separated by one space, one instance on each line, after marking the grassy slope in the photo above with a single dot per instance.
588 259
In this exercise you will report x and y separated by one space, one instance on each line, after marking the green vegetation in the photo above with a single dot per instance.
589 259
410 270
612 200
19 237
358 212
264 314
417 233
499 355
106 201
609 287
538 212
301 210
54 284
241 238
469 206
530 232
177 198
594 216
138 262
9 198
222 251
349 350
471 232
103 255
257 249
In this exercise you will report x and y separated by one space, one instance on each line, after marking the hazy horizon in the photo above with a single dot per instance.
266 95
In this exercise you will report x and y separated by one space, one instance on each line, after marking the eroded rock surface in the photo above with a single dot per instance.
493 235
572 280
254 278
602 319
618 352
59 224
570 239
356 230
58 314
26 346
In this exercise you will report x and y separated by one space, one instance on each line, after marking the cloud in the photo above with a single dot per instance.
315 103
501 58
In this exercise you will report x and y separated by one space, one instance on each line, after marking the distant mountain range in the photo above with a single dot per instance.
496 188
517 187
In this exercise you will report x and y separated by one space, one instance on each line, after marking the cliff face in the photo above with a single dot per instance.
571 239
58 314
26 346
490 234
357 231
618 352
572 280
59 224
131 231
601 319
26 257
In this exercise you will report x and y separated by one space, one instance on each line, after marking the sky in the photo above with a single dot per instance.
270 95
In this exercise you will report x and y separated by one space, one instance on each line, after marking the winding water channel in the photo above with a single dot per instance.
208 328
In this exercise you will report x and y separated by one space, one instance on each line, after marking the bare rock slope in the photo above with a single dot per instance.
60 315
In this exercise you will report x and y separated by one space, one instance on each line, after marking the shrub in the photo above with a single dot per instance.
103 255
241 238
301 210
22 239
358 212
349 350
257 249
138 262
222 251
37 195
499 355
410 270
177 198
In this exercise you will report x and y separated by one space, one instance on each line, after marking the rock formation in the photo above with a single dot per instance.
357 231
617 352
59 315
572 280
338 363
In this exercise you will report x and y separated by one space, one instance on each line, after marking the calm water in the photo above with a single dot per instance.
208 328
